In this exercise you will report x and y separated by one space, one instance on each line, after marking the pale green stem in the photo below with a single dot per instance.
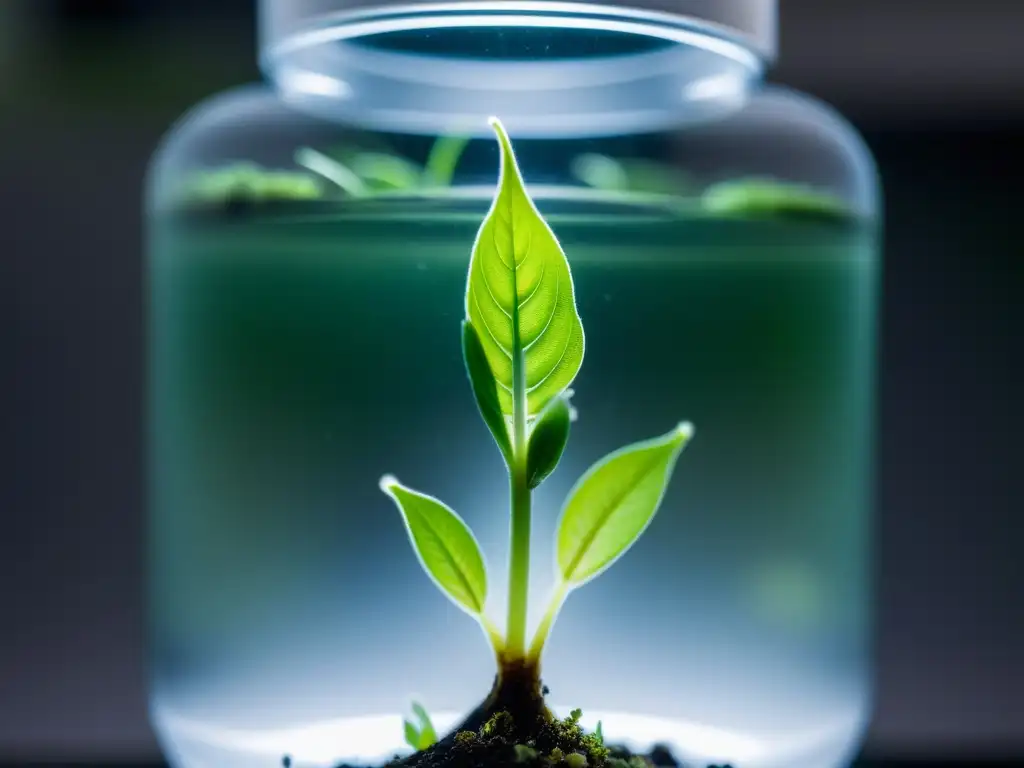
497 643
519 535
544 629
519 561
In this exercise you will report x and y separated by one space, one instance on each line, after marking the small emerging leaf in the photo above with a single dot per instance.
428 734
412 735
444 545
613 503
599 732
519 295
485 388
547 440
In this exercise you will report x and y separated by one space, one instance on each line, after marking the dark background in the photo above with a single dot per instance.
87 88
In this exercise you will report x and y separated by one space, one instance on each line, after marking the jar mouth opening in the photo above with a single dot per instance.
546 68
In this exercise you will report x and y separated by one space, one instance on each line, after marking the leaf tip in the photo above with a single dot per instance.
685 430
388 483
499 128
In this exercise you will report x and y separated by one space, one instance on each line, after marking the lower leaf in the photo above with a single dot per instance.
445 546
613 503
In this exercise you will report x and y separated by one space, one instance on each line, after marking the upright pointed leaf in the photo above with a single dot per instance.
442 160
613 503
485 388
547 440
444 545
519 294
428 734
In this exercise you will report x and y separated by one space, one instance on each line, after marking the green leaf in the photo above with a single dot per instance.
520 297
428 734
647 176
619 175
485 388
613 503
443 158
412 735
600 172
427 739
766 197
331 169
547 440
599 732
386 171
444 545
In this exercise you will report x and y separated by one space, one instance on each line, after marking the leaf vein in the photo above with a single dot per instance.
609 510
490 333
494 242
529 252
453 563
490 292
547 324
540 282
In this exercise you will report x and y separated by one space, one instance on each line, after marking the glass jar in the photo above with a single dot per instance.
310 241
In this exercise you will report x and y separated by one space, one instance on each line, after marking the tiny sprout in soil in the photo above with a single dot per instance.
523 345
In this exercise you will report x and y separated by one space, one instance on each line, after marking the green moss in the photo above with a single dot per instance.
562 743
634 761
525 753
594 745
500 725
465 738
557 744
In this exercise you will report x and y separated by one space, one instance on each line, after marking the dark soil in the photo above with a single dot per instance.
513 728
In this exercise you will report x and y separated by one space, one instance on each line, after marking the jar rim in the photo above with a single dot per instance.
753 23
544 66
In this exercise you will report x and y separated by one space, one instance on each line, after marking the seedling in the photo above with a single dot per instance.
366 173
419 734
523 345
630 175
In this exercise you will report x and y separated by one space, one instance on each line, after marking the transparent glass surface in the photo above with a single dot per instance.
308 280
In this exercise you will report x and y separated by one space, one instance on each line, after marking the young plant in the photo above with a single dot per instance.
630 175
366 173
419 734
523 344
